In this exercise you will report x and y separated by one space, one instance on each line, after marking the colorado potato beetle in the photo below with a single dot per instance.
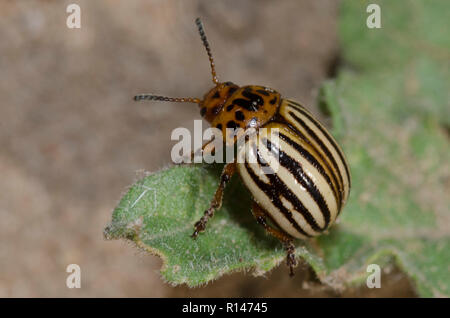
311 182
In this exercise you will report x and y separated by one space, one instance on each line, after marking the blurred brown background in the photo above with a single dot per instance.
72 139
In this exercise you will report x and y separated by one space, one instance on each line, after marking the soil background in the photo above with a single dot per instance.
72 139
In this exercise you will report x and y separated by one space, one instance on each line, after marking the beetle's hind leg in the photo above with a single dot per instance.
216 202
288 242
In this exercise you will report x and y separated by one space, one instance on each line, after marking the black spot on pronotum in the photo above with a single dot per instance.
230 107
255 98
252 101
232 124
239 115
273 101
216 95
262 92
203 111
245 104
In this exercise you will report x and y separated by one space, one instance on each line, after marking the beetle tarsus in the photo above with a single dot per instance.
290 257
199 227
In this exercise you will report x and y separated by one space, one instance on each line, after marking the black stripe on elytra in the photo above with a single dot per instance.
321 145
297 171
273 191
315 163
330 139
281 120
277 183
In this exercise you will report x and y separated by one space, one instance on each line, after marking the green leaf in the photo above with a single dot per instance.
158 214
390 112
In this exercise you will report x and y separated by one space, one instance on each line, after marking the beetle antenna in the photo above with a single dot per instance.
208 49
166 99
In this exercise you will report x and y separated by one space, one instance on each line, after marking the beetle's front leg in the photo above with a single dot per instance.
216 202
207 149
288 242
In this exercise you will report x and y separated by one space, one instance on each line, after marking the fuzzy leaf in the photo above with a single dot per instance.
158 214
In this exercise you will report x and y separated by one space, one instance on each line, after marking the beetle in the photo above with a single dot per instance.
311 181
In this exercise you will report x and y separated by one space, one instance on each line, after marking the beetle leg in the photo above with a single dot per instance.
216 202
288 242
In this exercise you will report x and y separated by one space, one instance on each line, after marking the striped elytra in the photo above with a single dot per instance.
300 192
311 182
